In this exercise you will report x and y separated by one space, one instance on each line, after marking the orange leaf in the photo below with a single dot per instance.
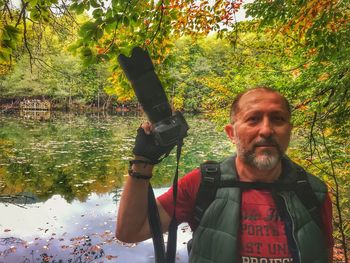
109 257
323 77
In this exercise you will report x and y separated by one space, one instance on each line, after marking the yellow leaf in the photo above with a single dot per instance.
324 77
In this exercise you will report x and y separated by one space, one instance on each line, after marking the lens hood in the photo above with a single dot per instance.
137 65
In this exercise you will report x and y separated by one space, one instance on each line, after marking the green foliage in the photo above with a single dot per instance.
90 31
61 78
206 74
319 32
9 36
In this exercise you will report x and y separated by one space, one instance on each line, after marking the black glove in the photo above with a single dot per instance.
145 146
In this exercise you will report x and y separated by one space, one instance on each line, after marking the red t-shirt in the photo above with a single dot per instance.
262 232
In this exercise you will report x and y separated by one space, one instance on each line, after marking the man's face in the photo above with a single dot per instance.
261 129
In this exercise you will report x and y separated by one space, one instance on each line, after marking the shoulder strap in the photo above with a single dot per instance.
308 197
210 172
154 220
155 226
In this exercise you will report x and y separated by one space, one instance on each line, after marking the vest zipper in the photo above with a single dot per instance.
293 235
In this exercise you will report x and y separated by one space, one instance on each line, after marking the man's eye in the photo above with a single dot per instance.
279 119
253 119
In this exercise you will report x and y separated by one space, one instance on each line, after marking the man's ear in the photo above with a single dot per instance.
230 132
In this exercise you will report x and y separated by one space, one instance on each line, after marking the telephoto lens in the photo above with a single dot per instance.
167 129
139 70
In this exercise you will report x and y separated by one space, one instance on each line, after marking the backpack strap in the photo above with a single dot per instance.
308 197
211 173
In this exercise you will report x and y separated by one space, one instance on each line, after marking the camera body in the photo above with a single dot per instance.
170 130
167 128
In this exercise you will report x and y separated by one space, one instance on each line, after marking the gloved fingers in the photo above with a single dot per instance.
147 127
145 146
142 135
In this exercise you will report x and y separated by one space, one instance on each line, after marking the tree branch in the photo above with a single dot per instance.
25 33
161 6
312 141
24 6
8 10
337 194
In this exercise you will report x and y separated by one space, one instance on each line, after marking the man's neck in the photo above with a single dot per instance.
248 173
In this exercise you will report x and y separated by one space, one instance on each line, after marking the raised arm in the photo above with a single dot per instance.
132 219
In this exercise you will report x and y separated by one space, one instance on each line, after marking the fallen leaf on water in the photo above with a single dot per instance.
109 257
95 248
8 251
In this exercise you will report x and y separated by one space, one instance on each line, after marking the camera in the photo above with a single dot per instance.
167 128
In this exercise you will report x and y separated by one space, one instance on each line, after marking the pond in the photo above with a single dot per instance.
61 178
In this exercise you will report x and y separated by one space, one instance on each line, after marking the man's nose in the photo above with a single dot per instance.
266 128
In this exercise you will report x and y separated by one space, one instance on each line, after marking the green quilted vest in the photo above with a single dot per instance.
215 239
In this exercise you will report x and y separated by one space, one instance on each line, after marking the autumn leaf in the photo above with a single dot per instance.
324 77
110 257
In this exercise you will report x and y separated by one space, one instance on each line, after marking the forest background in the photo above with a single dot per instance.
66 52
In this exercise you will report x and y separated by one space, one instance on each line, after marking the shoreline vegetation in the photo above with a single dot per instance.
15 105
35 106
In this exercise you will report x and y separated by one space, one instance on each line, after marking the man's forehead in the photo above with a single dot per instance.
261 93
254 98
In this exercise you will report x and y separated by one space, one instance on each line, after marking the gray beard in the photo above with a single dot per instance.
266 161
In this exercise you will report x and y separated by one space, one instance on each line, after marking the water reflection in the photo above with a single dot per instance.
36 115
71 156
78 231
74 155
65 175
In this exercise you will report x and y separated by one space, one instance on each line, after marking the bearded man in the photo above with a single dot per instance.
241 224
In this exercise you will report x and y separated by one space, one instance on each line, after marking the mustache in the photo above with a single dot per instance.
270 141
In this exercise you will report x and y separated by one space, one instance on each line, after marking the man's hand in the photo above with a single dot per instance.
146 146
